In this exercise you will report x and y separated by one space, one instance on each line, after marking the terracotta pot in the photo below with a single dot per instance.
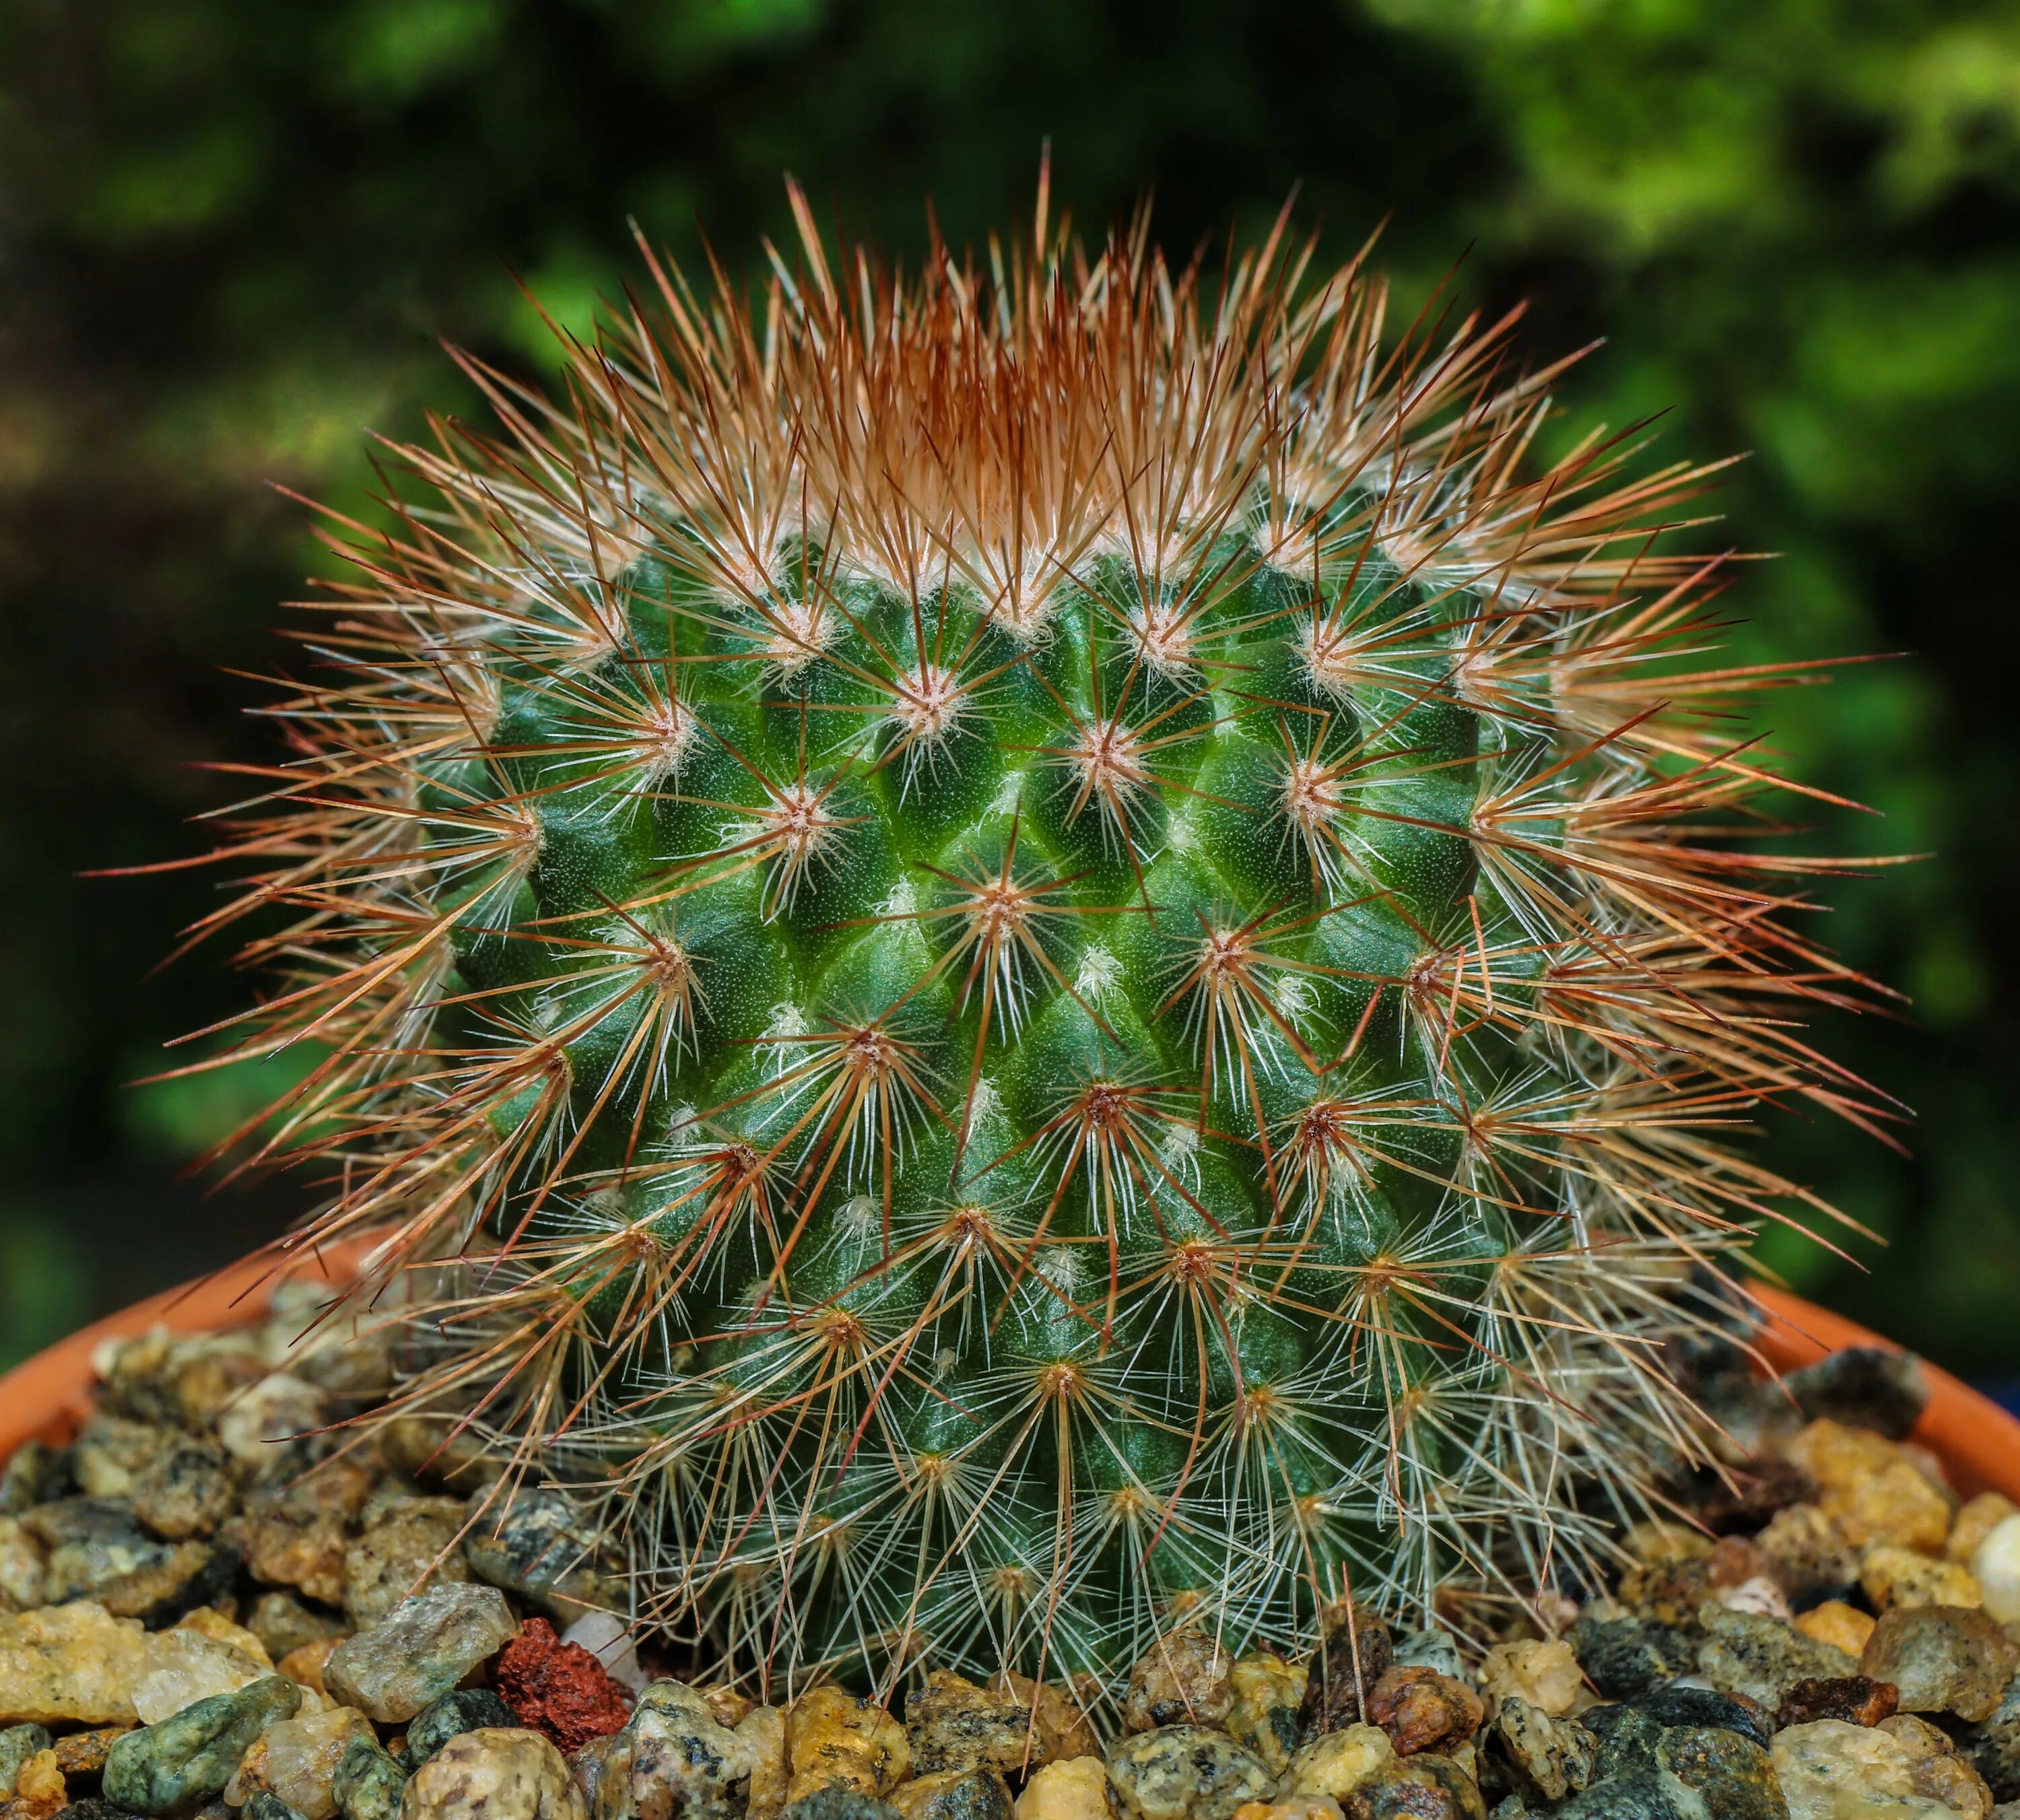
1976 1440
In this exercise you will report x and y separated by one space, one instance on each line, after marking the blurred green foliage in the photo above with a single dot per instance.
231 234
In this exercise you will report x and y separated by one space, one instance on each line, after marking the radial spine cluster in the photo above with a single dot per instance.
1037 949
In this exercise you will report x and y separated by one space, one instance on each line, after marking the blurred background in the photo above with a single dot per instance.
231 234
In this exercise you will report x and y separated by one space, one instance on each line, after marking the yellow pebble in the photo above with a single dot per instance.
39 1780
1338 1762
764 1729
1977 1518
1836 1623
1075 1788
1290 1807
1658 1541
1871 1488
1545 1674
213 1624
831 1736
1893 1577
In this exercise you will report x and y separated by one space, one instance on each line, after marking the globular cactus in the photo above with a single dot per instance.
1039 949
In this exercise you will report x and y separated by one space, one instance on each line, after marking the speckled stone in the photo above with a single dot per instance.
465 1709
284 1624
175 1767
953 1795
1943 1659
538 1546
185 1490
409 1544
420 1652
1336 1763
1626 1738
17 1744
1740 1653
1893 1577
1181 1680
1635 1795
369 1783
831 1736
838 1801
953 1725
493 1774
1992 1744
1059 1721
295 1535
1547 1757
259 1419
83 1753
22 1555
36 1473
1263 1714
264 1805
673 1757
111 1451
1185 1772
1937 1769
1886 1392
1353 1654
1626 1656
1426 1649
1708 1706
1731 1773
70 1665
1426 1786
1807 1552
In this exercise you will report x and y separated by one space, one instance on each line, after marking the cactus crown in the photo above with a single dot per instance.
1050 951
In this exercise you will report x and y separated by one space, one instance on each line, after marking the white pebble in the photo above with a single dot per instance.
1996 1566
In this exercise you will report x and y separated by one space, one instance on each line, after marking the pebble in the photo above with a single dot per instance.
538 1545
1421 1710
1182 1680
37 1473
1071 1788
276 1409
1354 1653
296 1536
370 1783
186 1760
20 1566
1857 1700
1871 1486
297 1759
673 1757
831 1736
467 1710
763 1732
1546 1675
111 1451
1550 1756
1185 1772
953 1795
1337 1763
1426 1649
1976 1519
952 1725
1892 1577
1807 1552
305 1665
72 1664
1836 1623
185 1490
1626 1656
1058 1722
839 1801
1995 1564
1290 1807
1943 1659
409 1544
1993 1745
1742 1654
18 1743
1262 1715
83 1753
1731 1773
1682 1704
185 1666
418 1651
493 1774
284 1624
559 1688
1863 1385
1833 1770
1427 1785
1936 1768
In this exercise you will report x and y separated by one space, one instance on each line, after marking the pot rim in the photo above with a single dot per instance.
45 1397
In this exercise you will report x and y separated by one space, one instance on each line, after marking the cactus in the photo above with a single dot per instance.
1037 950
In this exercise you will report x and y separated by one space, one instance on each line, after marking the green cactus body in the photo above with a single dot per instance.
1040 943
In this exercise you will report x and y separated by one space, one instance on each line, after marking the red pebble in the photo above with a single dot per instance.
559 1688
